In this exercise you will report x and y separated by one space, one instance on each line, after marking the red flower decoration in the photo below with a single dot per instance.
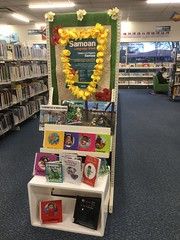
55 36
105 95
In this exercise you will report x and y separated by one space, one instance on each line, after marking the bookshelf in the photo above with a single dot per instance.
23 83
174 84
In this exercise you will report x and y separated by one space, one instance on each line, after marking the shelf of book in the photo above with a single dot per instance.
28 78
39 189
79 153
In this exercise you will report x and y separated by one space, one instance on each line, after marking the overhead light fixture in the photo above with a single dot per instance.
20 17
51 5
162 1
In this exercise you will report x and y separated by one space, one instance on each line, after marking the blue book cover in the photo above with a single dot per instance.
71 141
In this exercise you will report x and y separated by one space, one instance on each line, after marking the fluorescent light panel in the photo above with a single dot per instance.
162 1
20 17
51 5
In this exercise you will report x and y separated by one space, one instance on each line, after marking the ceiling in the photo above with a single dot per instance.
133 10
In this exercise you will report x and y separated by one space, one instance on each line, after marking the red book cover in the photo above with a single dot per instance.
86 142
51 211
90 171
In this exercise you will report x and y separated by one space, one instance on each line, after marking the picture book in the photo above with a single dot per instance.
53 139
53 171
90 170
104 168
87 211
72 172
71 141
86 142
100 106
50 211
103 143
40 161
52 114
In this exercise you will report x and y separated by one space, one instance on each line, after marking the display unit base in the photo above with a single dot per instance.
39 189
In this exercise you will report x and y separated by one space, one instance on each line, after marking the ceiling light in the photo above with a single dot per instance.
20 17
51 5
162 1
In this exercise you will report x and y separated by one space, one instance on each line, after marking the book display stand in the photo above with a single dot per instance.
83 58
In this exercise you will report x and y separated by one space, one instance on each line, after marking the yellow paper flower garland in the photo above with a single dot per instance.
100 33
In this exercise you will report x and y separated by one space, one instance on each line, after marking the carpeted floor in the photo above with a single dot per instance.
147 193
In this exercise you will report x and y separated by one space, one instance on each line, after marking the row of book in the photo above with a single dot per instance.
77 141
145 65
176 91
100 114
86 211
17 72
21 92
18 51
18 114
69 168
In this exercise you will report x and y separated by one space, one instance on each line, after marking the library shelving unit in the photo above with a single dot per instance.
38 188
174 84
138 75
23 83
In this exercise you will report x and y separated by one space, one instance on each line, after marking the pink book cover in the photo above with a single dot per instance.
40 162
86 142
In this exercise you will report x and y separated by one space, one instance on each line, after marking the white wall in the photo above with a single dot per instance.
22 31
150 27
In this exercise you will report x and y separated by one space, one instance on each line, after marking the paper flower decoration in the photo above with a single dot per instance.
113 13
80 14
105 95
72 76
50 16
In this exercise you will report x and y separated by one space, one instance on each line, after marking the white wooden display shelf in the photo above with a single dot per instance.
39 189
79 153
136 76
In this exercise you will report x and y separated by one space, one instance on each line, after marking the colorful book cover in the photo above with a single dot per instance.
86 142
90 170
71 140
54 172
103 143
72 172
50 211
40 162
53 139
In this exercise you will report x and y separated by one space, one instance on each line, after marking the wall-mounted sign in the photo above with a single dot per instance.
41 31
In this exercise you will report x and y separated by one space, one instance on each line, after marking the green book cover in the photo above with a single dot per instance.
54 172
103 143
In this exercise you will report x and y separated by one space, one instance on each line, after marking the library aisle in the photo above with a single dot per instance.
147 192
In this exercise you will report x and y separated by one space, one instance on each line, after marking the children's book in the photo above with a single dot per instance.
103 143
50 211
40 161
86 142
71 141
72 171
90 170
53 139
54 172
52 114
87 210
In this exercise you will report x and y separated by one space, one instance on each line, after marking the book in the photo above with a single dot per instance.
87 211
103 143
53 139
90 170
50 211
86 142
40 162
53 172
72 171
71 140
52 114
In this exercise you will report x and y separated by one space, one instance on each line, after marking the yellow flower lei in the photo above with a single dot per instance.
99 32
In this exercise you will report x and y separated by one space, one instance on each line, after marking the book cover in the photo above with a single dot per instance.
71 140
53 139
40 162
53 171
87 211
90 170
103 143
86 142
72 172
52 114
50 211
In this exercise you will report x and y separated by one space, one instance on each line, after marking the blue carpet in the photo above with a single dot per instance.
147 185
